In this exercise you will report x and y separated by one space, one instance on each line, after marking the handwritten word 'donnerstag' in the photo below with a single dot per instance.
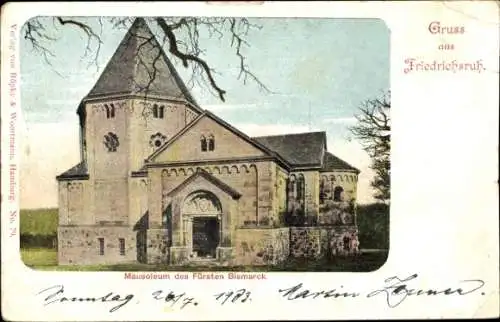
397 290
55 296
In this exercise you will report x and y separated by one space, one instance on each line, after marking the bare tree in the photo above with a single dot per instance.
179 36
373 130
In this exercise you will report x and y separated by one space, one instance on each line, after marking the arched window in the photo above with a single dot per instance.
107 111
301 187
155 111
112 111
211 143
322 192
203 142
292 188
337 193
162 111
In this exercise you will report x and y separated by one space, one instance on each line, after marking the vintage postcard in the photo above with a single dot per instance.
249 161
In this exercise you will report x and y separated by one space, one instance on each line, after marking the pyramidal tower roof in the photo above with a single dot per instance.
140 66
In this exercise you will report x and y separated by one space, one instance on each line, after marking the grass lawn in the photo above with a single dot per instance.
46 259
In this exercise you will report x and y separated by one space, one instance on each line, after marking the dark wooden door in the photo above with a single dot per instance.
205 236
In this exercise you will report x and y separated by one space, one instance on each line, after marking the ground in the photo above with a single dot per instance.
46 259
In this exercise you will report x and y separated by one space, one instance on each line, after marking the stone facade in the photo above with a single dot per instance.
323 241
163 181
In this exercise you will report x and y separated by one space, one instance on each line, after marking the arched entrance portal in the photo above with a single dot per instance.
202 214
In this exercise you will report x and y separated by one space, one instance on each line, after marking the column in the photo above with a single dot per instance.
155 198
177 224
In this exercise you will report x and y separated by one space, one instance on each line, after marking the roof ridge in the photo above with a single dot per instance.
288 134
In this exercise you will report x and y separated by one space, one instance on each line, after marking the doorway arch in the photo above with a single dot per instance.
202 213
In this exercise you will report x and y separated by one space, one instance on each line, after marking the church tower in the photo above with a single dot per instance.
137 104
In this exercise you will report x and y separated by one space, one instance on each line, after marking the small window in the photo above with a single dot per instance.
203 143
110 110
211 143
101 246
322 191
155 111
300 187
122 246
347 243
161 111
337 193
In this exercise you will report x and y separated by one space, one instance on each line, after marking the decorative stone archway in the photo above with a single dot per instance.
202 224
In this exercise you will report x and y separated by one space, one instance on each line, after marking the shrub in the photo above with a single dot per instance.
38 228
373 225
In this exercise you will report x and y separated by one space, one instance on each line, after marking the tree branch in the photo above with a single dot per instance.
185 58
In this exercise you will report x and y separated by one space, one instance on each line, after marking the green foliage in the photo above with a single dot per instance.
39 221
39 227
373 225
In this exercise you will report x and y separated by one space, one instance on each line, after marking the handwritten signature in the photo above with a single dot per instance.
395 290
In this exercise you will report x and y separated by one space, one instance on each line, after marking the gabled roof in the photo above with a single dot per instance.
79 171
131 69
301 149
207 176
224 124
331 163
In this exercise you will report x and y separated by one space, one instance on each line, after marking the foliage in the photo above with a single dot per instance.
373 225
38 227
39 221
373 130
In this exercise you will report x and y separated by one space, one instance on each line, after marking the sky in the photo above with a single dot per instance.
319 71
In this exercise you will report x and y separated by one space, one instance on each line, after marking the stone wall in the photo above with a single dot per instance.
256 182
80 245
305 242
143 127
74 202
157 249
323 242
261 246
334 212
102 163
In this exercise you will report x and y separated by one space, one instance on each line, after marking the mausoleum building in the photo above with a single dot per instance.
162 180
